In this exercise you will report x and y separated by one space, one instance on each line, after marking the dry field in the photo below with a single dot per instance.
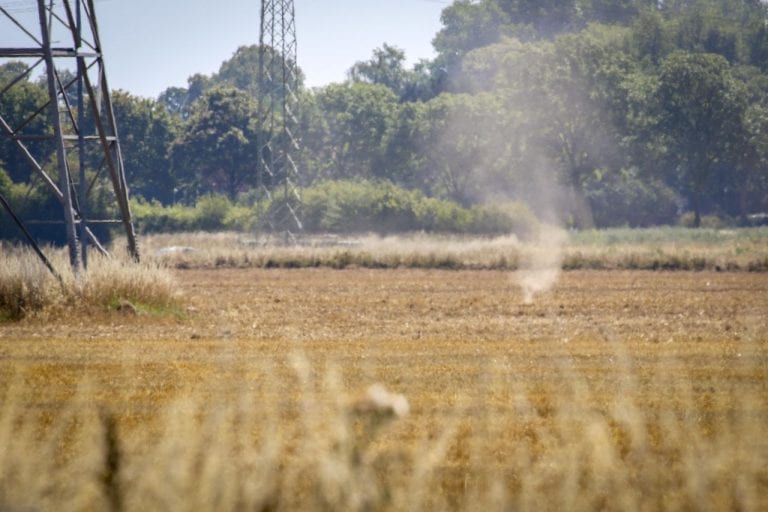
615 390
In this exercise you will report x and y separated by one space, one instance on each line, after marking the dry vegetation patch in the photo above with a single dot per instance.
613 390
616 249
27 287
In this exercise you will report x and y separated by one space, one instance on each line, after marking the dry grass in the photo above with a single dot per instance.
613 390
652 249
233 250
27 287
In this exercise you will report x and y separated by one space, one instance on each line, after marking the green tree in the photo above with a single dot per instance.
240 71
748 180
467 25
216 151
147 132
180 100
462 143
702 109
757 44
612 11
650 37
403 154
753 190
590 109
387 67
569 100
9 71
349 132
176 101
727 27
630 198
17 106
545 18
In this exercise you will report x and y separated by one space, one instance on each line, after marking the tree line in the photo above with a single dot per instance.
593 113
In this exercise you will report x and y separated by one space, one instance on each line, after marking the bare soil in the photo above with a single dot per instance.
640 387
429 334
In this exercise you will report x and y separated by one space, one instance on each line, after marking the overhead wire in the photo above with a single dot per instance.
25 6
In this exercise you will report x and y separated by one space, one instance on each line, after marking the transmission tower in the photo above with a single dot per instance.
61 40
277 173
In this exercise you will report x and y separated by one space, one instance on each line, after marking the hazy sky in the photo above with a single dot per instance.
153 44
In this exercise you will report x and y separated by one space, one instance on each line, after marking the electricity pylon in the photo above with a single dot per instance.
63 40
277 173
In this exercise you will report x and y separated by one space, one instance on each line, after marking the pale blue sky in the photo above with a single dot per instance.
152 44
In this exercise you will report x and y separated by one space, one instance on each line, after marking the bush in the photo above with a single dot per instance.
357 206
707 221
382 207
33 201
344 207
153 217
211 213
624 199
512 217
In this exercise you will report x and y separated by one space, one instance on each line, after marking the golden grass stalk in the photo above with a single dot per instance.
651 249
27 287
25 284
577 445
111 280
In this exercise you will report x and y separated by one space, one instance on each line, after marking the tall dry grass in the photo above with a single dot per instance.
27 287
25 284
614 443
211 250
641 249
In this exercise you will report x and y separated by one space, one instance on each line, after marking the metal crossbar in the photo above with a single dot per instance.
71 107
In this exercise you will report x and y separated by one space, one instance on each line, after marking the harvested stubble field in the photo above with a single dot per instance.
621 390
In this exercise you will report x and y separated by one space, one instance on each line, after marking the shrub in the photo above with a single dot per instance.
511 217
382 207
153 217
707 221
211 213
33 201
356 206
343 207
241 218
624 199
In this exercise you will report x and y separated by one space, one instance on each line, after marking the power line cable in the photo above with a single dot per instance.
25 6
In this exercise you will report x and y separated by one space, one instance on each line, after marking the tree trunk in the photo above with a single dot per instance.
582 212
696 208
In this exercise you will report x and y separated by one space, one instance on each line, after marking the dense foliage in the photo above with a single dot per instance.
343 206
590 112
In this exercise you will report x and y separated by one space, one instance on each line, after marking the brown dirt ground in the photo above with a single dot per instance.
462 346
439 337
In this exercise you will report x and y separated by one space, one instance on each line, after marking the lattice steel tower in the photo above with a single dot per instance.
277 173
62 38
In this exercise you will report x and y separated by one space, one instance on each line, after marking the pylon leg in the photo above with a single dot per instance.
67 121
61 152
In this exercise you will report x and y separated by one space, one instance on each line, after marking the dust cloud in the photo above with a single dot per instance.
541 262
518 158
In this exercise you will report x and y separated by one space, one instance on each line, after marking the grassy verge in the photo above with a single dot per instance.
633 249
